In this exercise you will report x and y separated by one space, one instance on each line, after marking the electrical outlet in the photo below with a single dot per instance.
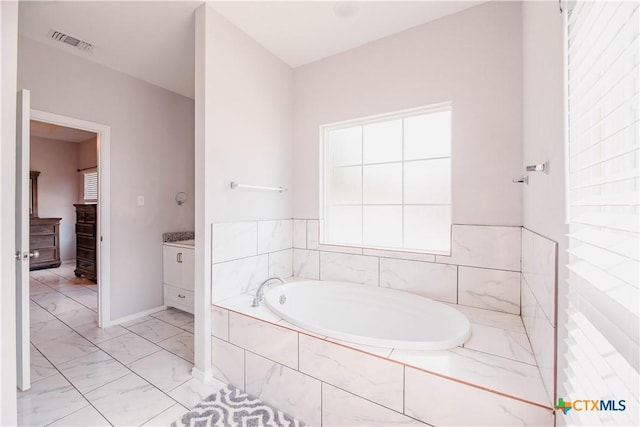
140 200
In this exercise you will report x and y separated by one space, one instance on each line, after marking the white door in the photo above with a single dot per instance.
22 241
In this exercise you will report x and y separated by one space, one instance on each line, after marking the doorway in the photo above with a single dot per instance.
62 215
85 233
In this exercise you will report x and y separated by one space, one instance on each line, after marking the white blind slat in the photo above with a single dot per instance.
603 352
618 243
91 186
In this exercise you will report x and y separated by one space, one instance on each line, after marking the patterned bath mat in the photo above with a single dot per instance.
231 407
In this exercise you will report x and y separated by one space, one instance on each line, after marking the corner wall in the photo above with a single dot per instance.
473 59
544 198
152 154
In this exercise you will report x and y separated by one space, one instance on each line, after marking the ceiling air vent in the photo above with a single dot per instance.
70 40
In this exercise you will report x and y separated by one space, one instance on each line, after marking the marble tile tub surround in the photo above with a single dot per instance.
538 290
246 253
177 236
325 382
483 270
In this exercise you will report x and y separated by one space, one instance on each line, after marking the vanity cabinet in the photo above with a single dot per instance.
178 268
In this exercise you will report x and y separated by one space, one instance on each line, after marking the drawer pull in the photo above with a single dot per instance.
181 296
179 258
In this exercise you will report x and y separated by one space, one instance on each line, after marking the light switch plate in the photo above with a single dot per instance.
140 200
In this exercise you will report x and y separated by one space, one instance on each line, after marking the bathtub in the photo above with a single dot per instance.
369 315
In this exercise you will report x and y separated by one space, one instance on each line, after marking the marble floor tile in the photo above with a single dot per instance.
47 331
155 330
166 417
180 345
40 366
47 401
66 348
96 335
87 416
129 400
47 277
38 314
56 303
136 321
128 348
37 288
188 327
195 391
77 318
94 370
508 344
163 369
85 297
174 316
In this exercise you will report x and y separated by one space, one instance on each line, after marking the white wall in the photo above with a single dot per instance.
8 69
544 138
244 110
152 154
472 58
250 110
57 162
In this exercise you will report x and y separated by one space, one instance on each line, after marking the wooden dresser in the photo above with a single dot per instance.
44 237
86 238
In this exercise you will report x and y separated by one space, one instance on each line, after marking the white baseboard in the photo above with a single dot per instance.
204 376
135 316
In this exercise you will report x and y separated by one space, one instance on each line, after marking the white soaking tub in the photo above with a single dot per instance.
369 315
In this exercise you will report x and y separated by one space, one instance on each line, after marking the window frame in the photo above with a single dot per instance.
367 120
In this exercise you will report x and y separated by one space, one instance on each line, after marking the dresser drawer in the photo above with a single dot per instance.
85 242
85 254
42 229
178 298
88 229
42 241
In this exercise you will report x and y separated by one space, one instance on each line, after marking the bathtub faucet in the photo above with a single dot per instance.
260 292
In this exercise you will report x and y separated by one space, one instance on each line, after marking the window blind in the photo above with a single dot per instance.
603 355
91 186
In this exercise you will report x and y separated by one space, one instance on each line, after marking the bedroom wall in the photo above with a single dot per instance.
57 162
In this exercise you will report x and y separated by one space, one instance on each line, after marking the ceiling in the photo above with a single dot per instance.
154 40
303 32
59 133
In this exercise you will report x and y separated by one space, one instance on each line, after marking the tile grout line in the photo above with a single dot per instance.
118 361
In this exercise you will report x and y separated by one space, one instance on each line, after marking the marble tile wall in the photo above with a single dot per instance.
246 253
483 269
538 295
328 384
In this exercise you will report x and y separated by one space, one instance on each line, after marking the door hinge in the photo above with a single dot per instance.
18 256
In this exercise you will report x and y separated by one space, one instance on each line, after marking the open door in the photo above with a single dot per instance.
22 241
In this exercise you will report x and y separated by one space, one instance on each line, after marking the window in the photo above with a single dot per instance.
387 181
90 185
602 343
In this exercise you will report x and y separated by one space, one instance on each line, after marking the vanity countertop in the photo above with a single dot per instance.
188 244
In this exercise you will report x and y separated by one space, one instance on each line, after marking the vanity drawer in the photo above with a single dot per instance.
178 298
